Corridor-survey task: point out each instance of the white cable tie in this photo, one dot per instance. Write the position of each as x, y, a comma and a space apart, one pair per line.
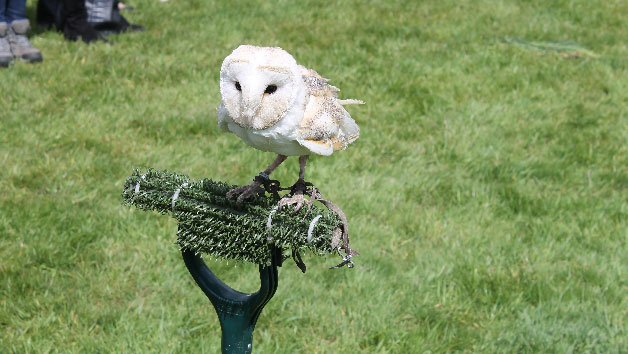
311, 228
176, 194
137, 186
270, 221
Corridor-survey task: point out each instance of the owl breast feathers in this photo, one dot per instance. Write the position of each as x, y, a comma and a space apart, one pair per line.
274, 104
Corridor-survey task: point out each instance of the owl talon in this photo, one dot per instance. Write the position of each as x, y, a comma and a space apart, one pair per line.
298, 199
244, 192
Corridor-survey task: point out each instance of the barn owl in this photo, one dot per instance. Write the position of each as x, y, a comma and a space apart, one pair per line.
275, 105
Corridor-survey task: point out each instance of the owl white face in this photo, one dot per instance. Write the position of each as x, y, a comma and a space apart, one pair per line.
258, 85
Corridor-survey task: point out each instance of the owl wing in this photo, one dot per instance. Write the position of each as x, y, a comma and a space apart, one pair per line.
326, 126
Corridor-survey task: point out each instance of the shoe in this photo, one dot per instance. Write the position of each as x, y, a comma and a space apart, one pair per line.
120, 25
20, 46
6, 57
130, 27
78, 28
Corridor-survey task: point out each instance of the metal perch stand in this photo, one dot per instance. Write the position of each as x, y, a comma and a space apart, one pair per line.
238, 312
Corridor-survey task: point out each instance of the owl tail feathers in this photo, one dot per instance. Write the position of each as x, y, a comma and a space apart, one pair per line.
350, 101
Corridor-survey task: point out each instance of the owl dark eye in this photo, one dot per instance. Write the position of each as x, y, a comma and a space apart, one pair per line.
238, 87
270, 89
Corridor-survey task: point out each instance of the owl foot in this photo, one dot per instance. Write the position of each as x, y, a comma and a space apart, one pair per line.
243, 192
261, 183
297, 196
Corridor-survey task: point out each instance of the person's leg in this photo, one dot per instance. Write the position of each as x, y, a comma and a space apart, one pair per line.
18, 26
45, 17
3, 10
15, 10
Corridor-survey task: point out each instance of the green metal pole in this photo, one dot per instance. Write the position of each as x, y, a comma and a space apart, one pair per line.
238, 312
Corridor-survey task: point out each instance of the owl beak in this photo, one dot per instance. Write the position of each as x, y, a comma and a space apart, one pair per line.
251, 102
250, 110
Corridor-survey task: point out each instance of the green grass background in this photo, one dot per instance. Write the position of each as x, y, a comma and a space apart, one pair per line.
487, 193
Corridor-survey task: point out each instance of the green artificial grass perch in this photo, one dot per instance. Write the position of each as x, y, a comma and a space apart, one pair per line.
210, 223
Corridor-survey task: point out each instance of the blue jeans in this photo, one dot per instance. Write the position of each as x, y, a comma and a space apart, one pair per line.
11, 10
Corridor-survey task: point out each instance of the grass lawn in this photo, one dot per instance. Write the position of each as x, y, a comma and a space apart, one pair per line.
487, 193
